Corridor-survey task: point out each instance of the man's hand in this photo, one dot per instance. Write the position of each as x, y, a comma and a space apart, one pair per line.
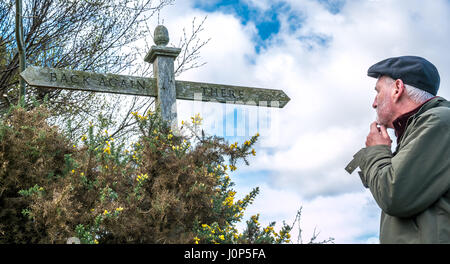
378, 136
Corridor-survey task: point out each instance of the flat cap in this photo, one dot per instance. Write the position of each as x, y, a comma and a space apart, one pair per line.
412, 70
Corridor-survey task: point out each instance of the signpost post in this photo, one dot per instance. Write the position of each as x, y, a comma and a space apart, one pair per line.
164, 86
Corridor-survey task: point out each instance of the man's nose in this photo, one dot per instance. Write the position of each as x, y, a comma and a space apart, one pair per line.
374, 104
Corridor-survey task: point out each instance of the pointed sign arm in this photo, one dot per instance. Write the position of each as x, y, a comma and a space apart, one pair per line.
131, 85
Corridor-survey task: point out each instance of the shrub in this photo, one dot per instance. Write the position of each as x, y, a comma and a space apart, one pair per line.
32, 158
165, 187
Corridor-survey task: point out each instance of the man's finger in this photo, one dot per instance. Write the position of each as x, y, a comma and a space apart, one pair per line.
384, 132
374, 127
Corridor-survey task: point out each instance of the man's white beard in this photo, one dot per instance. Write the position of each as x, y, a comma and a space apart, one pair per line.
386, 116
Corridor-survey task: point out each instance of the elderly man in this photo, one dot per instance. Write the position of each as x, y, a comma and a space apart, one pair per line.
411, 185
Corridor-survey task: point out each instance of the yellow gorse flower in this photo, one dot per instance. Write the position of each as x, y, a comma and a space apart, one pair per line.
196, 120
107, 150
175, 147
142, 118
268, 229
142, 177
233, 146
228, 201
255, 219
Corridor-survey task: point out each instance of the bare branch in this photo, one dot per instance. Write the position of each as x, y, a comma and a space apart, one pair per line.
191, 46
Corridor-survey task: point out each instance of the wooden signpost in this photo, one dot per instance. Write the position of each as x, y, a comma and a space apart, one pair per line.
164, 86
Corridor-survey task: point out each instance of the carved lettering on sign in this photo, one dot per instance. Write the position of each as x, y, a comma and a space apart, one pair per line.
123, 84
63, 78
77, 80
102, 81
223, 92
85, 80
140, 84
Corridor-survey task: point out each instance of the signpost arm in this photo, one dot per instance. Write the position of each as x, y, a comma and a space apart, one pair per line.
163, 59
163, 86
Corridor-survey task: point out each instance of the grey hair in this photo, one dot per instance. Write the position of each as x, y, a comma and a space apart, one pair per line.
415, 94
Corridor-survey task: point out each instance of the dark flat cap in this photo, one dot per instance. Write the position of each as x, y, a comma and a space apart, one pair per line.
412, 70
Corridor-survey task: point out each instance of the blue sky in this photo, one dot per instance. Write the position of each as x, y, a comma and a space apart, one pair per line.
318, 53
267, 21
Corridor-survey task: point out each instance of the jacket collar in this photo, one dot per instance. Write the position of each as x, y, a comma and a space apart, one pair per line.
401, 122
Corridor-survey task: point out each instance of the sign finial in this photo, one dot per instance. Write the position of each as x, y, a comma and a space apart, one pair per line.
161, 36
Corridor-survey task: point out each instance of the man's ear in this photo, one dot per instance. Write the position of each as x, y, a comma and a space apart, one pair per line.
398, 90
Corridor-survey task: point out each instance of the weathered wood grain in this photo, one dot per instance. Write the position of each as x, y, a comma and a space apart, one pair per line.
123, 84
210, 92
89, 81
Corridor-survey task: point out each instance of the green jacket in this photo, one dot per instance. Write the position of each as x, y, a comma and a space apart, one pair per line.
412, 186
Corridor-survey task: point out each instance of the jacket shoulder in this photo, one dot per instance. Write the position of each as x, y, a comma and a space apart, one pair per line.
432, 121
439, 113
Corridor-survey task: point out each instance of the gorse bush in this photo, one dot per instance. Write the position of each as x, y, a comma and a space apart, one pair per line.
166, 187
32, 157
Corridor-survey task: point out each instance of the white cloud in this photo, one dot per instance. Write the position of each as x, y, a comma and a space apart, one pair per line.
311, 149
348, 218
